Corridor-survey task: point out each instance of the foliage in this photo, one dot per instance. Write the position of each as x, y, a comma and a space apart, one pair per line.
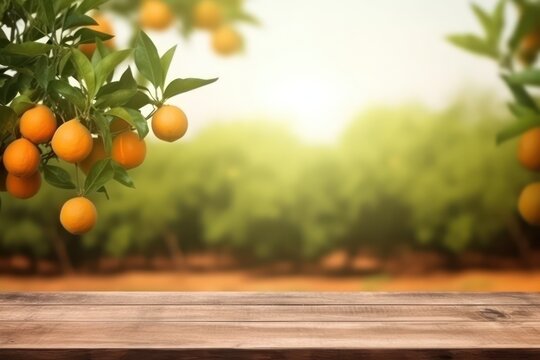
515, 55
403, 177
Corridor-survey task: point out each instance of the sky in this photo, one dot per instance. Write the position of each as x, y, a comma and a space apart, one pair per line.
316, 64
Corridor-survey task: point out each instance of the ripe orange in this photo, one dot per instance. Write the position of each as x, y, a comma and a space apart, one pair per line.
207, 14
529, 47
226, 40
98, 153
23, 187
38, 124
128, 150
169, 123
119, 125
78, 215
529, 149
72, 142
529, 204
21, 158
104, 26
155, 14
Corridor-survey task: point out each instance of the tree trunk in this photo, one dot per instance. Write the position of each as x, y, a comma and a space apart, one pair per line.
521, 241
61, 252
171, 241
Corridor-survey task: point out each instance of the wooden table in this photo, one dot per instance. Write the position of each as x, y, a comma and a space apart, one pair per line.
228, 325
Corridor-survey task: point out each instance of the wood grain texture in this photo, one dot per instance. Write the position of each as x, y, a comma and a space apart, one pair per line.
269, 298
269, 326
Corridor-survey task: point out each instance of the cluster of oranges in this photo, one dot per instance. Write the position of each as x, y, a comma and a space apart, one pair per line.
207, 15
529, 157
73, 143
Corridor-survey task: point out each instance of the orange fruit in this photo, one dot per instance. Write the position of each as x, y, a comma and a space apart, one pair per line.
72, 142
119, 125
529, 204
98, 153
531, 41
226, 40
155, 14
103, 26
38, 124
128, 150
169, 123
21, 158
529, 47
23, 187
529, 149
78, 215
207, 14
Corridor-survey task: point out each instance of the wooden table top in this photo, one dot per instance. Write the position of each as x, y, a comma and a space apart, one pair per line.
296, 325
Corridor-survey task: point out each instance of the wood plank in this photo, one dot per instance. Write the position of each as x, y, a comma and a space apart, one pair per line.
265, 354
257, 298
268, 335
275, 313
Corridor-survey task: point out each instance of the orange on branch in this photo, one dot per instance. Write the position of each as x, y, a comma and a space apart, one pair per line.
72, 142
23, 187
529, 149
169, 123
38, 124
21, 158
103, 26
207, 14
529, 204
78, 215
226, 40
128, 150
98, 153
155, 14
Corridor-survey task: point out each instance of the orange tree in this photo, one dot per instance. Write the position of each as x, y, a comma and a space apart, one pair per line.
62, 101
517, 58
217, 17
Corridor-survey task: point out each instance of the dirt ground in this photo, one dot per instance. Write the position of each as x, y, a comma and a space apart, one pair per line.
242, 280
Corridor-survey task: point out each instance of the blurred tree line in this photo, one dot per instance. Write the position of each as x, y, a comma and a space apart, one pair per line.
400, 178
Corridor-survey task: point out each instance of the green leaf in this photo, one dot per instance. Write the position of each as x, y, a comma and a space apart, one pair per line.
71, 93
58, 177
122, 176
138, 101
101, 173
76, 19
474, 44
107, 65
147, 60
166, 60
117, 93
8, 121
21, 103
518, 127
132, 117
526, 77
527, 22
89, 36
105, 130
88, 5
84, 70
498, 22
520, 94
27, 49
179, 86
483, 17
